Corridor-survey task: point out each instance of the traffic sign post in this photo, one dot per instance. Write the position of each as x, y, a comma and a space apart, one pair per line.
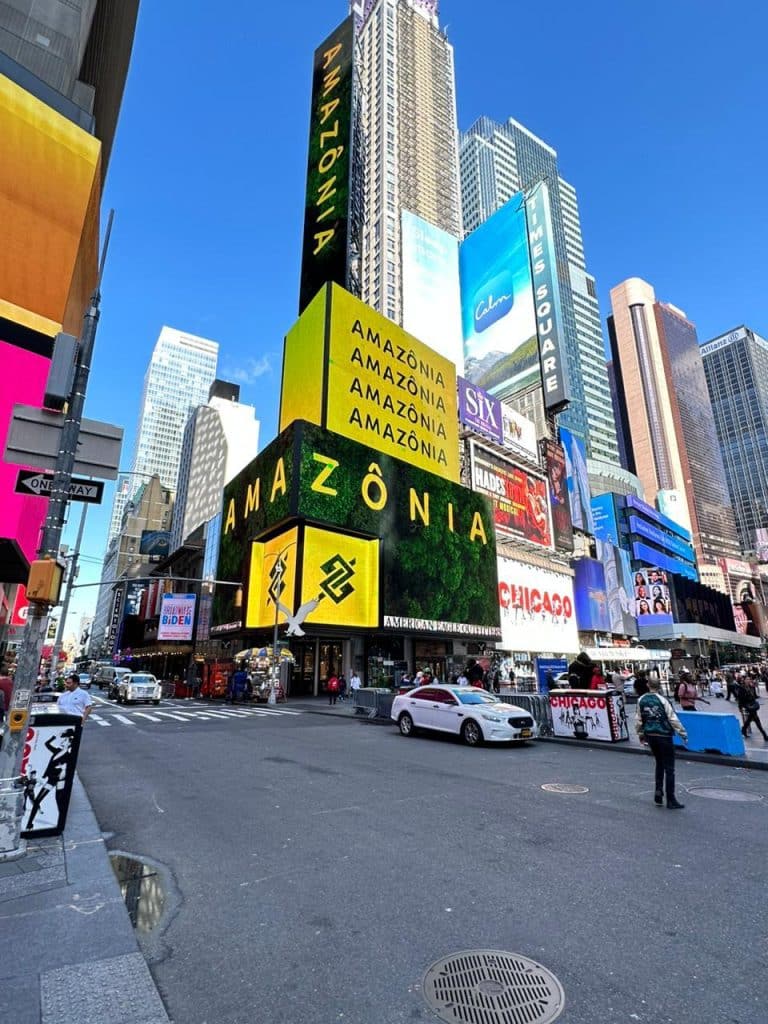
30, 482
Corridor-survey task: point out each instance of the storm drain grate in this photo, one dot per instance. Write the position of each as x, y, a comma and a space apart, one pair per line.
563, 787
726, 794
487, 986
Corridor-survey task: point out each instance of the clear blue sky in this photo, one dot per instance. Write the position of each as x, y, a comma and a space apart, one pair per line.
657, 111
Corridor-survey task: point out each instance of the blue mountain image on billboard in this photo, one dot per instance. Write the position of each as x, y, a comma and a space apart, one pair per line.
497, 310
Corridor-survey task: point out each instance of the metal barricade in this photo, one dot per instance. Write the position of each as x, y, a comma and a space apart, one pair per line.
373, 703
537, 705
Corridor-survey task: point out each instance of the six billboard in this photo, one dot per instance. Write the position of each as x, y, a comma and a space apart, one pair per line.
326, 212
497, 309
519, 498
483, 413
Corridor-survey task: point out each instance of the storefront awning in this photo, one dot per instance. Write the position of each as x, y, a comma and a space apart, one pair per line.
695, 631
627, 654
14, 567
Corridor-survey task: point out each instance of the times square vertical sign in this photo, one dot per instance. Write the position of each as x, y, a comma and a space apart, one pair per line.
327, 206
546, 293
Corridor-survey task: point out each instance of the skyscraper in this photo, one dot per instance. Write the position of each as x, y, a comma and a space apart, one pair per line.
178, 379
736, 368
220, 439
671, 442
408, 159
496, 161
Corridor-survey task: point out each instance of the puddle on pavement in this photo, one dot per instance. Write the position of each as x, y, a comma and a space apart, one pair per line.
142, 889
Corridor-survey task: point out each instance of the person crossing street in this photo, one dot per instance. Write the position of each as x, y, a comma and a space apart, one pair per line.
656, 722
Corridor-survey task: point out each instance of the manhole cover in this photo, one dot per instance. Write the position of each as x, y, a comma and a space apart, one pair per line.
486, 986
727, 794
563, 787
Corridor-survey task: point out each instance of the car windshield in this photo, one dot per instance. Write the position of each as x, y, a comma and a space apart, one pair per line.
475, 697
143, 679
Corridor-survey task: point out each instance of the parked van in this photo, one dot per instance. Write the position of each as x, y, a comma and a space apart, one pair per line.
107, 675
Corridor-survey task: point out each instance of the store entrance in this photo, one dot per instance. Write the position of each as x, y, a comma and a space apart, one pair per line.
329, 660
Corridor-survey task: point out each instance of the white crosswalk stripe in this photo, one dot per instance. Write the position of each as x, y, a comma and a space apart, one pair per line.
107, 715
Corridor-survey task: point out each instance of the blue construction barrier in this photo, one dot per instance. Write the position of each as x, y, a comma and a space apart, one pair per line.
710, 733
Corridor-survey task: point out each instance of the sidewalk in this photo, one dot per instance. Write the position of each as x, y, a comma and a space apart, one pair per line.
68, 953
756, 751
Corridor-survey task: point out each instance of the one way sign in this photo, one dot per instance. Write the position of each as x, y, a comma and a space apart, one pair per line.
30, 482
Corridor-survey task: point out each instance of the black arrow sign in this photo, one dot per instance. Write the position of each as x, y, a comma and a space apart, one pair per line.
31, 482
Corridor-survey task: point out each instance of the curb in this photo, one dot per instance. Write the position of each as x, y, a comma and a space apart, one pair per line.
727, 760
681, 753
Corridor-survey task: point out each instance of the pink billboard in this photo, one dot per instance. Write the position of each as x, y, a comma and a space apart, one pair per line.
23, 376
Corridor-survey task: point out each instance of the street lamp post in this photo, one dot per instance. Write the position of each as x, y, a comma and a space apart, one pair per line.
272, 699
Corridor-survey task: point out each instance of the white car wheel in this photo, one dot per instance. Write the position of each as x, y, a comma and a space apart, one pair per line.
405, 723
471, 733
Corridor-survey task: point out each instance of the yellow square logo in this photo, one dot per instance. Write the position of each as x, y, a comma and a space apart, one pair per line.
341, 578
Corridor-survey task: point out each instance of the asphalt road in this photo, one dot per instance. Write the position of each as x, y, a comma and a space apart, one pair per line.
316, 867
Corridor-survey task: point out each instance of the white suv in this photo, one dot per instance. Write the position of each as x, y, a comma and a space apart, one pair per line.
138, 686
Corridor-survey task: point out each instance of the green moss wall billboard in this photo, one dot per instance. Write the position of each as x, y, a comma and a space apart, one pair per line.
438, 550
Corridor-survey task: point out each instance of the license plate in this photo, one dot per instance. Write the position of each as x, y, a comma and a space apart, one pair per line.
525, 733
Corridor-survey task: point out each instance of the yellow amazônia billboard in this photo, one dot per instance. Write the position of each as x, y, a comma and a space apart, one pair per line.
352, 371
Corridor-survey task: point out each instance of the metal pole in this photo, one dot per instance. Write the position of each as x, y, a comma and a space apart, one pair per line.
68, 594
272, 699
12, 750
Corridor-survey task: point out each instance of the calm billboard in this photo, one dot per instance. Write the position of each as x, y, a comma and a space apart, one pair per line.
497, 311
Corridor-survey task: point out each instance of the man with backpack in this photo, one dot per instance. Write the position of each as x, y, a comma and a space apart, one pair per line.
655, 724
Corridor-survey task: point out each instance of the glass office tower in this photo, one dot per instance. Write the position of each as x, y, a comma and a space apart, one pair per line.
736, 368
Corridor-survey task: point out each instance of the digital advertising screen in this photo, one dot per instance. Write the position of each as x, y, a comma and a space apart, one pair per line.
557, 477
575, 450
520, 499
653, 606
501, 351
423, 522
431, 287
591, 595
351, 370
326, 213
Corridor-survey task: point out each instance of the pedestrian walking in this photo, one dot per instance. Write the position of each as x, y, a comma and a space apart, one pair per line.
686, 692
75, 700
354, 681
333, 688
342, 687
655, 723
749, 706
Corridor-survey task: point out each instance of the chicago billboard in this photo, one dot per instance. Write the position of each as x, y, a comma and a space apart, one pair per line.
326, 210
497, 310
431, 288
519, 498
424, 523
353, 371
537, 609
